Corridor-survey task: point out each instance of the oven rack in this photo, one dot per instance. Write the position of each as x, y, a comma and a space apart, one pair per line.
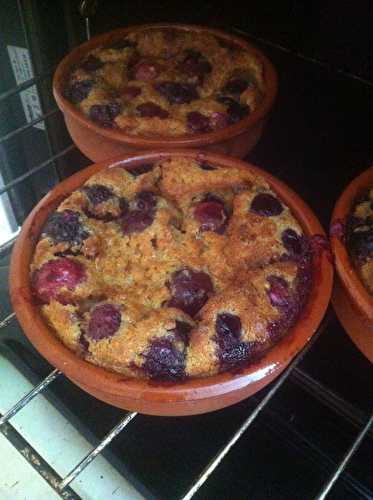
62, 485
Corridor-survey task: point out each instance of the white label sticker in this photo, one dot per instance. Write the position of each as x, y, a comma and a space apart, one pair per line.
22, 69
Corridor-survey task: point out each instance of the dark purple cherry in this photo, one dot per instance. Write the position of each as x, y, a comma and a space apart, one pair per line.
79, 90
235, 86
194, 65
140, 169
291, 304
233, 353
65, 227
92, 63
278, 292
104, 322
98, 193
163, 360
361, 242
104, 114
228, 326
266, 204
211, 215
136, 221
130, 92
197, 122
177, 93
150, 110
292, 241
55, 275
141, 214
235, 110
145, 201
190, 290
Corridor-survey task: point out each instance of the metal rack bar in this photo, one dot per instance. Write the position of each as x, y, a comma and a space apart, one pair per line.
36, 169
6, 247
25, 85
29, 396
205, 474
36, 461
7, 320
28, 125
327, 397
310, 59
355, 445
93, 454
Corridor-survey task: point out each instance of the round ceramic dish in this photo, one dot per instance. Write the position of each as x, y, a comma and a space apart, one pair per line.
100, 144
191, 396
352, 302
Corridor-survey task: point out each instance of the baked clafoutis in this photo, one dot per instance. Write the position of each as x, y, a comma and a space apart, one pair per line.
172, 270
167, 83
359, 238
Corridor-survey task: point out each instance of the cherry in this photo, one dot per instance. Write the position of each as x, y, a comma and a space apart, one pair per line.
211, 215
104, 322
266, 204
190, 290
55, 275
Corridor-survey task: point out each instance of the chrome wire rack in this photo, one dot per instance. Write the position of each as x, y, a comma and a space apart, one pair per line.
62, 484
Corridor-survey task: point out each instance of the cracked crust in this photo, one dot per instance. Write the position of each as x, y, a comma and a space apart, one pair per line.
255, 277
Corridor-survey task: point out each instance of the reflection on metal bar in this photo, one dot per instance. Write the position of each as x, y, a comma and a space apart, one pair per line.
6, 247
28, 397
87, 28
7, 320
93, 454
28, 125
25, 85
36, 169
88, 8
329, 484
36, 461
219, 457
329, 398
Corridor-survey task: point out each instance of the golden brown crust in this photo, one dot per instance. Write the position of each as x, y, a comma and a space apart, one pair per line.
133, 272
115, 69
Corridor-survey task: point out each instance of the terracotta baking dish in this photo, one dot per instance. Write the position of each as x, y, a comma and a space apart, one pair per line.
192, 396
352, 302
101, 144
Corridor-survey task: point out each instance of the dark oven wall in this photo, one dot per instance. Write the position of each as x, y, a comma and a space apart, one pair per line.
338, 33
